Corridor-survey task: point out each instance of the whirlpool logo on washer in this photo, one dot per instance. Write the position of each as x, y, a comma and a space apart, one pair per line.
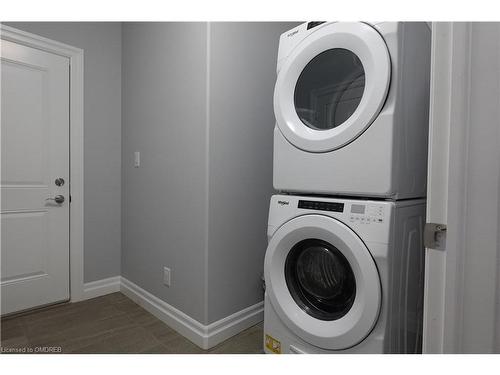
283, 203
292, 33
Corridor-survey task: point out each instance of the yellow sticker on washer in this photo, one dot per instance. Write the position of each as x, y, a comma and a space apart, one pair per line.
273, 345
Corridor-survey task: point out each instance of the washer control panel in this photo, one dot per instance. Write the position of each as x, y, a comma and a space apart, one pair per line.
366, 213
321, 206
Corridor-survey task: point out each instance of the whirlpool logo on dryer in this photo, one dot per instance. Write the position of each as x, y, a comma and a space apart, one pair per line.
283, 203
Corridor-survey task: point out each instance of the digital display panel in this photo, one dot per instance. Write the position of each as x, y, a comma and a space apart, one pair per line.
321, 206
358, 209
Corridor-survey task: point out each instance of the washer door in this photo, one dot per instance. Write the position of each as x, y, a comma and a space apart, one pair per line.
322, 281
332, 86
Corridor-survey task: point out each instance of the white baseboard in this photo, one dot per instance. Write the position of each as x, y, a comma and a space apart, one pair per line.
174, 318
101, 287
205, 336
233, 324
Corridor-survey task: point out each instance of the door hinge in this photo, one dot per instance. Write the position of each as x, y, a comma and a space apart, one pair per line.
435, 236
70, 198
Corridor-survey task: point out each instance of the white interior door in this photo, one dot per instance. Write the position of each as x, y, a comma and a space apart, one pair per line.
35, 152
462, 293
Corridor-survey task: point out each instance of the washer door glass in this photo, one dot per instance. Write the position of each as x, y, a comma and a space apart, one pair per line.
329, 89
320, 279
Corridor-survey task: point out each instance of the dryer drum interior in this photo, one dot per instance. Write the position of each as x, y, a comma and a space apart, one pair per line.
329, 89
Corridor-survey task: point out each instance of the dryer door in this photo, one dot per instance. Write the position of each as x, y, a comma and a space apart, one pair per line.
332, 86
322, 281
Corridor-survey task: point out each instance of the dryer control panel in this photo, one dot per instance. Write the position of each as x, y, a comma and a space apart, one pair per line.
366, 213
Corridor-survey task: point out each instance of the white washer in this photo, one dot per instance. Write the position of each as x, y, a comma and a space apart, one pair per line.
344, 276
352, 104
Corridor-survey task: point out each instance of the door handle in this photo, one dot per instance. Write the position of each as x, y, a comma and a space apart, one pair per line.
59, 199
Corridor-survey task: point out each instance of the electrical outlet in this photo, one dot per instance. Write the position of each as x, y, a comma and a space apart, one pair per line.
166, 276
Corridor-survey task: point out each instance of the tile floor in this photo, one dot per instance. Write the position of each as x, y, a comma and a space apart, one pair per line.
110, 324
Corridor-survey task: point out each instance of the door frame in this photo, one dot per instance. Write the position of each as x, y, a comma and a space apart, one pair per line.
76, 124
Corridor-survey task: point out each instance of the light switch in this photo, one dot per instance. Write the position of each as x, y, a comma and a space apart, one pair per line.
166, 276
137, 159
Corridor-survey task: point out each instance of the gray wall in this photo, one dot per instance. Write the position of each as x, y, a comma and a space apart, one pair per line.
102, 143
164, 201
242, 75
216, 256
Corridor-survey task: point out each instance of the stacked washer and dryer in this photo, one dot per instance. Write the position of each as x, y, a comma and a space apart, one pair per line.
345, 260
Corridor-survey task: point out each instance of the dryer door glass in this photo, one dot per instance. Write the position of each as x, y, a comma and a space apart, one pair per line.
320, 279
329, 89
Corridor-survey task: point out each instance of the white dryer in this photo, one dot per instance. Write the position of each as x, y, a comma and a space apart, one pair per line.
344, 276
351, 104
